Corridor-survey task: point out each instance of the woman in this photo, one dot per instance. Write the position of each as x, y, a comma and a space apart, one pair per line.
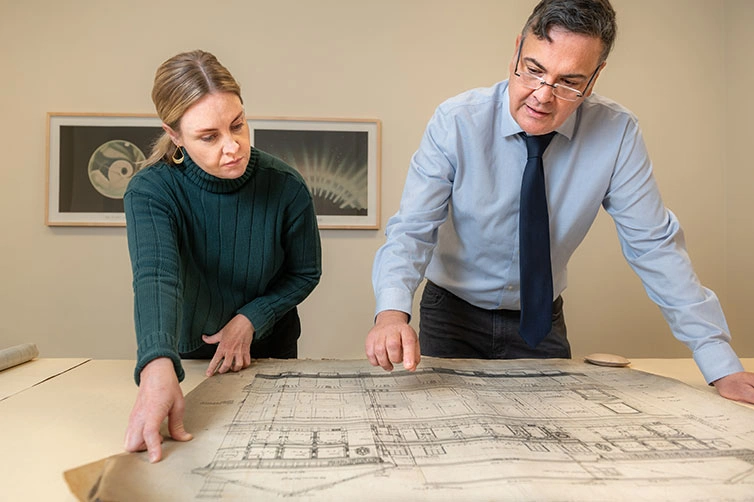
223, 242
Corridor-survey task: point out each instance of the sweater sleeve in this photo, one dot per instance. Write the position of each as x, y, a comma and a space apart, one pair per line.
302, 265
155, 262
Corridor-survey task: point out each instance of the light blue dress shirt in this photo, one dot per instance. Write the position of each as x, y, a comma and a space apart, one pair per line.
458, 220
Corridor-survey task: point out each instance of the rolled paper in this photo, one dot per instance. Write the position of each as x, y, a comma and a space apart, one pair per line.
18, 354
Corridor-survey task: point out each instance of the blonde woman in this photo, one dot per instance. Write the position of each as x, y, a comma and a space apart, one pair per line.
223, 242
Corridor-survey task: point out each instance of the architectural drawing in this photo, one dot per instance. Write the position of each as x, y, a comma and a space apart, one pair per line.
453, 429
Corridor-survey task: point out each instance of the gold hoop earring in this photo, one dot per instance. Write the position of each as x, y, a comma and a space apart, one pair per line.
178, 160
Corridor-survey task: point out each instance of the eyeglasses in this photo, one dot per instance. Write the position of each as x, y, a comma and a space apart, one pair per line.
531, 81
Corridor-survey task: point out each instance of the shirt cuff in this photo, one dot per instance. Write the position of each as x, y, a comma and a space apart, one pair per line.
716, 361
394, 299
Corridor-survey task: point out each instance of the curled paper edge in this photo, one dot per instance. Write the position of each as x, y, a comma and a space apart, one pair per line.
18, 354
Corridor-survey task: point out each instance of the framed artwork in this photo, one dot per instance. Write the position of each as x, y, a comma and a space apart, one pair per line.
90, 159
338, 158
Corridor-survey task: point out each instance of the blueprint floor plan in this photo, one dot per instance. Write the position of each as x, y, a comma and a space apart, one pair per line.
451, 430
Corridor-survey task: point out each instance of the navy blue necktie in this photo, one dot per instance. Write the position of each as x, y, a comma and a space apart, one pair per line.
534, 245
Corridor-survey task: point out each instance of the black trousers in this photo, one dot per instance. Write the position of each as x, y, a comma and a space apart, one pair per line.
451, 327
282, 343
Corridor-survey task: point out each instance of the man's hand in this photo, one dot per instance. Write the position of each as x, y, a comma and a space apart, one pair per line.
737, 386
234, 344
392, 340
159, 396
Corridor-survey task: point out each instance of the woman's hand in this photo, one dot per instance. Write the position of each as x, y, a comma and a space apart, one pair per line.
234, 343
159, 396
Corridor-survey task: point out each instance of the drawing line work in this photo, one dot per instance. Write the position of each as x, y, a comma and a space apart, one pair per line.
557, 430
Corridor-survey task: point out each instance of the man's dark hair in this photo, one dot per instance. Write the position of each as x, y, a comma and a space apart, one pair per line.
589, 17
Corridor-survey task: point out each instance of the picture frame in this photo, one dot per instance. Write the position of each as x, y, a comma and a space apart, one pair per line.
338, 157
90, 158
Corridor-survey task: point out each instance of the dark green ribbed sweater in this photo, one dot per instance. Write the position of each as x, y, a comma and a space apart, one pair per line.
204, 249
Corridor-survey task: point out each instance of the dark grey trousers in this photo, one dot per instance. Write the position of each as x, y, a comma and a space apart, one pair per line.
451, 327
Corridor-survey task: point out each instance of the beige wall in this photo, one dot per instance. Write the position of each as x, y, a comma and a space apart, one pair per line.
69, 289
739, 170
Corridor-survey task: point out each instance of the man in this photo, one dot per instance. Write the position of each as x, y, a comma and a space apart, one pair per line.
458, 224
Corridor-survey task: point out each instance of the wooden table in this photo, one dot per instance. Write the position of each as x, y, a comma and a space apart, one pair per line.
79, 415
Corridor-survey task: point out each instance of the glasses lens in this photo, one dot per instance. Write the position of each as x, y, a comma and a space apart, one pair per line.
531, 81
566, 93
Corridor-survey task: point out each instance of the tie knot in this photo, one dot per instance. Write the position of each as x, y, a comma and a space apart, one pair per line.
536, 145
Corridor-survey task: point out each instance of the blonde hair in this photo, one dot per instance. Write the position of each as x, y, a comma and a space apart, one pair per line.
180, 82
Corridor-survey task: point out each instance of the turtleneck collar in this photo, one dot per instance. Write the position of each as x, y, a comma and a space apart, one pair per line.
213, 184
